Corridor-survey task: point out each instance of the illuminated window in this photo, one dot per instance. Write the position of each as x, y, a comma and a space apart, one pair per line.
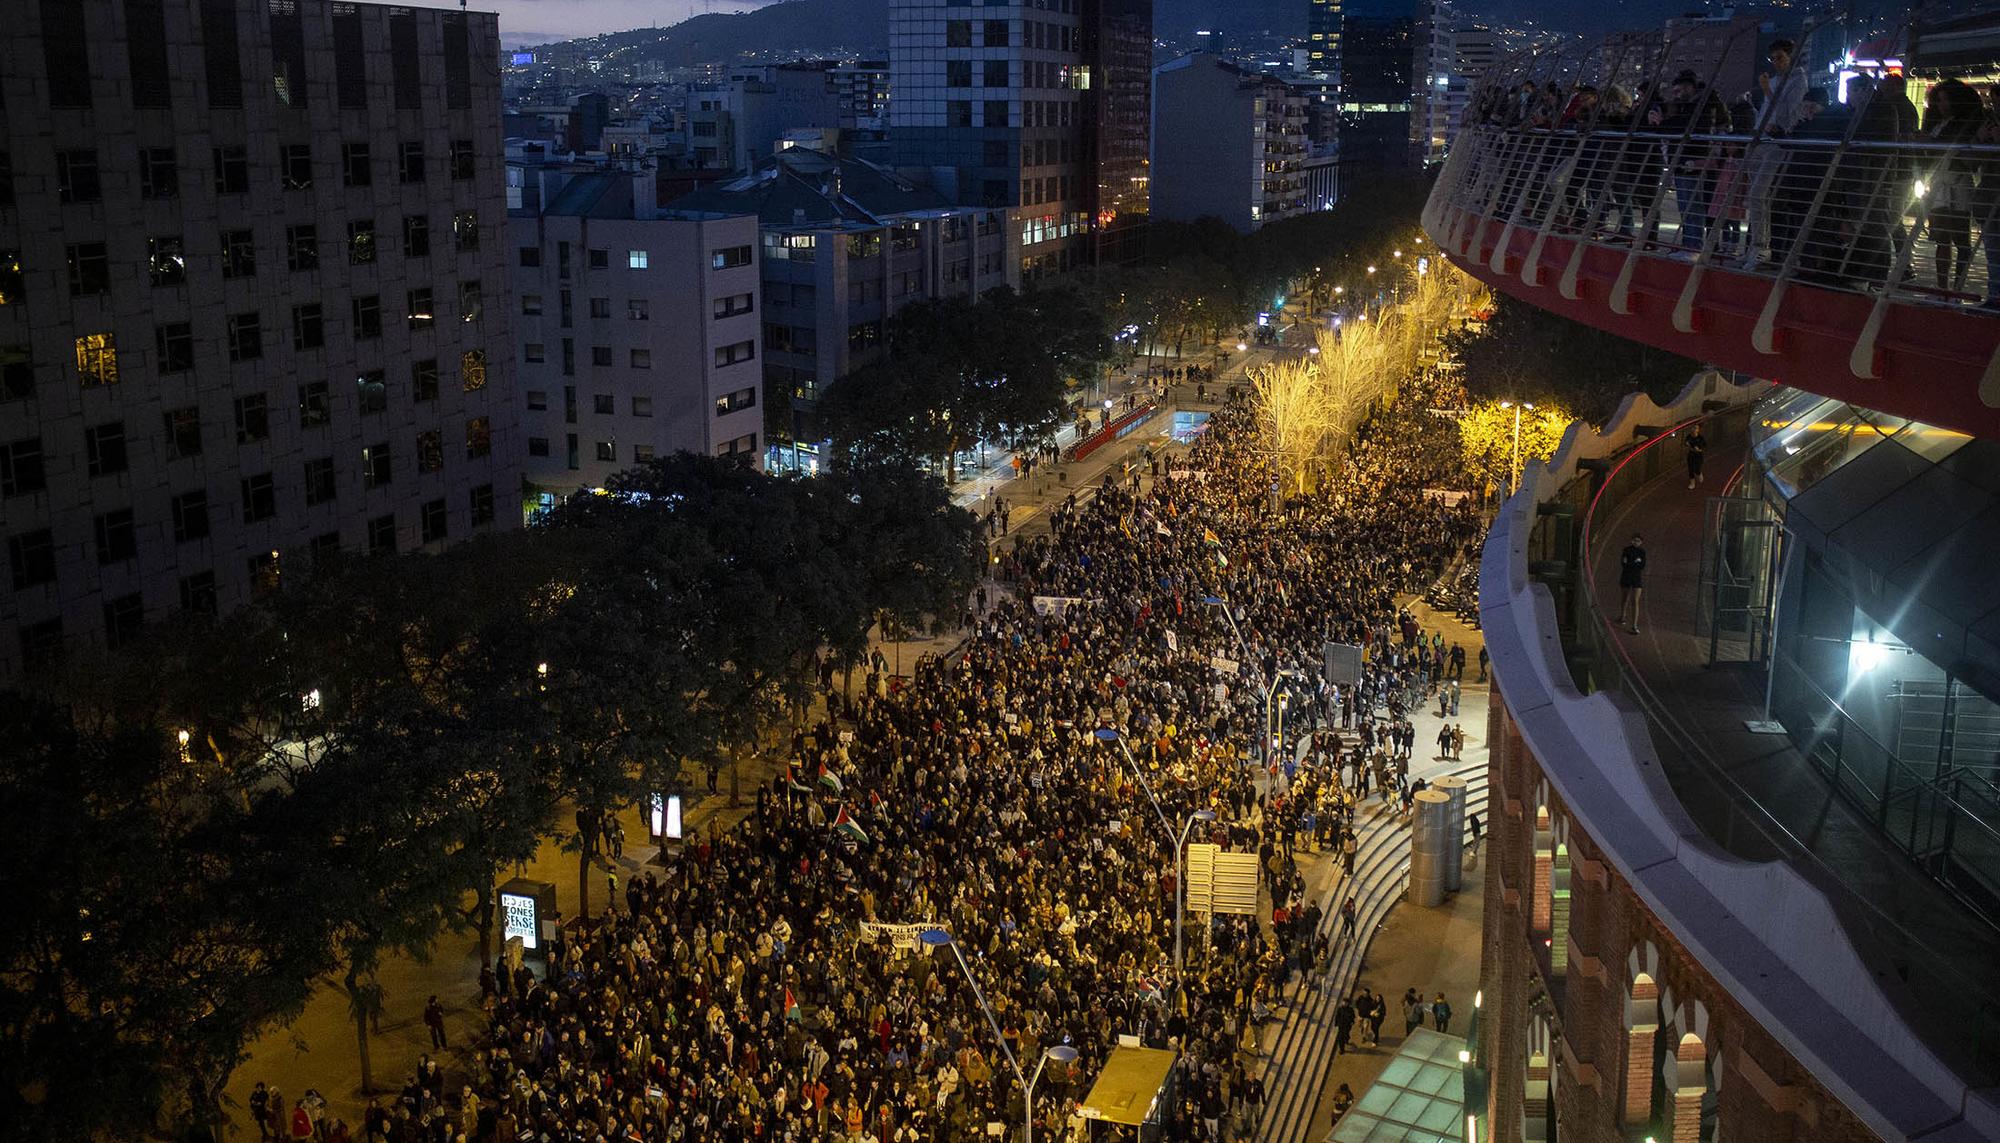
472, 369
97, 359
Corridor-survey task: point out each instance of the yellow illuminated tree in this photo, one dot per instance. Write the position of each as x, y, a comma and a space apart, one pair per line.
1486, 435
1292, 417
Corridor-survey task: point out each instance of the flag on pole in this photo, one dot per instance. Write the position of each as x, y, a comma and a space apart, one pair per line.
848, 827
829, 779
792, 780
1209, 537
792, 1006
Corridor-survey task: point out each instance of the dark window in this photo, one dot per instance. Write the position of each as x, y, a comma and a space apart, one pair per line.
183, 432
191, 516
958, 113
246, 337
260, 498
41, 644
117, 540
33, 557
465, 229
11, 289
376, 469
600, 307
17, 373
367, 317
482, 505
457, 60
434, 521
410, 162
174, 342
166, 260
996, 34
416, 236
159, 173
302, 247
604, 404
958, 73
371, 391
198, 593
430, 451
6, 181
308, 327
463, 164
105, 447
239, 254
21, 470
421, 309
607, 450
994, 113
361, 241
221, 52
424, 380
76, 176
320, 482
315, 405
288, 53
531, 255
354, 166
478, 438
600, 355
89, 270
382, 536
253, 418
958, 33
66, 52
295, 165
405, 66
146, 51
598, 259
996, 75
538, 446
730, 256
325, 549
124, 621
232, 169
471, 301
350, 63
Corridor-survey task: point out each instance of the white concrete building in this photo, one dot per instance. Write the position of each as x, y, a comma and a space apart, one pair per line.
635, 329
1227, 143
253, 308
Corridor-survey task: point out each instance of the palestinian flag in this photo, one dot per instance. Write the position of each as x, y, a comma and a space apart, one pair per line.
846, 826
829, 779
792, 780
792, 1006
1209, 537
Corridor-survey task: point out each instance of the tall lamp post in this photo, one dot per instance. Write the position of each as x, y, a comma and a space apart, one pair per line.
1514, 469
1107, 734
1060, 1053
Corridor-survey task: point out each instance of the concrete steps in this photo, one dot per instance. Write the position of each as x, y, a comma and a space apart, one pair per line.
1296, 1065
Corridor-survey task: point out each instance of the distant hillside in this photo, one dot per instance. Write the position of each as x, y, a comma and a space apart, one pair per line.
826, 27
794, 27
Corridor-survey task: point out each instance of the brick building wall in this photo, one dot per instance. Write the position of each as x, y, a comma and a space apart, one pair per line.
1620, 1013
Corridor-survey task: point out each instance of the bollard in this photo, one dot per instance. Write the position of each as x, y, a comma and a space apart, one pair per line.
1429, 848
1453, 788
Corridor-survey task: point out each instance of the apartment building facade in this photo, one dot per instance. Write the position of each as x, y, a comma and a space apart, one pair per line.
253, 307
1227, 143
636, 328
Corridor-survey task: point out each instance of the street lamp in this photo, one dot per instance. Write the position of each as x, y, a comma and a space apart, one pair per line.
1061, 1053
1514, 469
1108, 734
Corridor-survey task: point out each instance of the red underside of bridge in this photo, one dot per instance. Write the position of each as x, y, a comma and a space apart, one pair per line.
1930, 358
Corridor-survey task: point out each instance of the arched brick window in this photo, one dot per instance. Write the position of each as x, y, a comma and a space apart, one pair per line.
1642, 1027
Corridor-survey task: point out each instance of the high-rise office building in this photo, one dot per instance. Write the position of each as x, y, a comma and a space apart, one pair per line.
255, 301
1380, 61
1118, 57
1322, 38
997, 105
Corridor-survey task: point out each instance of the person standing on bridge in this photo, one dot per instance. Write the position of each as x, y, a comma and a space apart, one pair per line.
1632, 579
1697, 452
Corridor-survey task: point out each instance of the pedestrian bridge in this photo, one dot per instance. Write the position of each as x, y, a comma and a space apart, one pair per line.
1849, 266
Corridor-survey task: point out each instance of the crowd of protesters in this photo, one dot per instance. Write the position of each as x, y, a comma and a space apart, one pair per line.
1744, 169
763, 983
